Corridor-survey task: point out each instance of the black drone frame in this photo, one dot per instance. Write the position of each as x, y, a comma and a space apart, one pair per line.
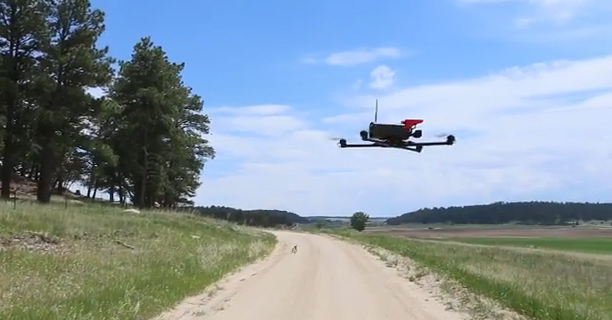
406, 145
394, 139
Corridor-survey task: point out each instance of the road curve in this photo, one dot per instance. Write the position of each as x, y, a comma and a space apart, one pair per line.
327, 279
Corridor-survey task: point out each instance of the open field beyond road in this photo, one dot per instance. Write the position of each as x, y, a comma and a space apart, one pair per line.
326, 279
94, 262
493, 231
587, 239
597, 245
535, 283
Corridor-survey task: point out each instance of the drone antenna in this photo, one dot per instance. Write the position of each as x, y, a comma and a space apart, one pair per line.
376, 112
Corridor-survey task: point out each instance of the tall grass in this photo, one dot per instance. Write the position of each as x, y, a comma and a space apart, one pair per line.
95, 262
540, 285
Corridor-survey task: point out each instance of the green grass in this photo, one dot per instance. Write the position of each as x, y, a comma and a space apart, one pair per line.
95, 262
586, 245
540, 285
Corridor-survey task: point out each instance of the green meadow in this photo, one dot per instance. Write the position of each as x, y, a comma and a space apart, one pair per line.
598, 245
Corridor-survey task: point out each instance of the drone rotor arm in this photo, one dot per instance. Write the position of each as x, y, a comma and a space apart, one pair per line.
359, 145
450, 140
427, 144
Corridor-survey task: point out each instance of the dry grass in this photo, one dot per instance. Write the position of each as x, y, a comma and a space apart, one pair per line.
537, 284
450, 292
95, 262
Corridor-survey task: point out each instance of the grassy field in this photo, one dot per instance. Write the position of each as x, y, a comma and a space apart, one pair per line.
96, 262
587, 245
538, 284
440, 231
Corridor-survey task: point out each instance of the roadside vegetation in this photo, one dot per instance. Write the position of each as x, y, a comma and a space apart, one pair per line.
538, 284
97, 262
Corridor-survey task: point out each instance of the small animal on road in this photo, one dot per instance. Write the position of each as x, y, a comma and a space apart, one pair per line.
294, 250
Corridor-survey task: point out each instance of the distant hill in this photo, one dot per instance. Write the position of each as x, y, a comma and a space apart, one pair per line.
535, 212
260, 217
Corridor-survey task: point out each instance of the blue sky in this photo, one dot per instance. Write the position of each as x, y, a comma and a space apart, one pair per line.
522, 84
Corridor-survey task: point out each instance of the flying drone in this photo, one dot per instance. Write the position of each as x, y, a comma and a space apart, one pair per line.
394, 136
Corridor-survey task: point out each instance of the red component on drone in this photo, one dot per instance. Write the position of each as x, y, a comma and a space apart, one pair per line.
410, 123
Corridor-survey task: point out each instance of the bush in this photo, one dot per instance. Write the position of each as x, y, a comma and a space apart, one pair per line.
359, 220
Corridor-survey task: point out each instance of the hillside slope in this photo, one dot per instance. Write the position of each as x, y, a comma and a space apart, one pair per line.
97, 262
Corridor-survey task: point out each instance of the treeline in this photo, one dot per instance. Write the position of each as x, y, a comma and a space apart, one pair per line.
142, 142
535, 212
260, 218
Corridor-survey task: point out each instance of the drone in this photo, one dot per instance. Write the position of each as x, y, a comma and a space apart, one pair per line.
394, 136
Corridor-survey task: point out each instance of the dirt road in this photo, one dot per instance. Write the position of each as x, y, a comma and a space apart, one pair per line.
326, 279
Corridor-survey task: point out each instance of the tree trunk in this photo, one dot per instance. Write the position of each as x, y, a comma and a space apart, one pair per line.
47, 173
150, 194
131, 195
59, 186
10, 91
92, 180
111, 193
7, 172
143, 190
141, 203
6, 175
120, 191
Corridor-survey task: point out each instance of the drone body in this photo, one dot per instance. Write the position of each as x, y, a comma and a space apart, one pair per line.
394, 136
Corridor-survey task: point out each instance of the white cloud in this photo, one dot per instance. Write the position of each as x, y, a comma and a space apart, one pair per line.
523, 133
552, 20
266, 119
358, 56
382, 77
264, 110
258, 124
555, 11
561, 10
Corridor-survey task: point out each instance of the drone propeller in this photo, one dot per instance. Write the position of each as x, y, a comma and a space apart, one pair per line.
447, 135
